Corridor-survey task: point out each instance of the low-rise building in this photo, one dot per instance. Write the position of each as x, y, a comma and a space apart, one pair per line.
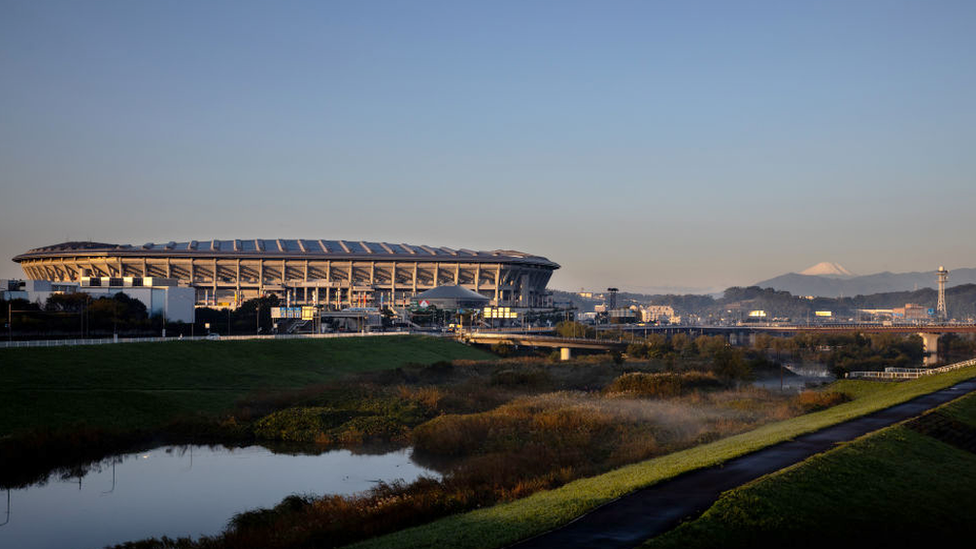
656, 313
161, 296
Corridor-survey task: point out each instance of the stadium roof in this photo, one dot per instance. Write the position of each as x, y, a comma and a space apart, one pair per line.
287, 249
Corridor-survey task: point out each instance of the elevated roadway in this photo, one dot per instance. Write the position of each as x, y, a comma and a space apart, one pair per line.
564, 344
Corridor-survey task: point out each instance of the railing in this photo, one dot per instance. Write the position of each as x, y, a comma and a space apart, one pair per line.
910, 373
214, 337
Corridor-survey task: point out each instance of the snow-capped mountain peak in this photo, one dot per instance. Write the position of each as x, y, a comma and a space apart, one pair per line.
826, 268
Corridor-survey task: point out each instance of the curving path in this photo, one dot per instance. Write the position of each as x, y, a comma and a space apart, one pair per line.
630, 520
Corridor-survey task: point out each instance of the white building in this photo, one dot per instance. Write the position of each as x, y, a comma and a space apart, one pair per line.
657, 313
161, 296
35, 291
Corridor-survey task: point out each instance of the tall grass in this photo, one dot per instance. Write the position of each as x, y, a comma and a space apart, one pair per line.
504, 524
873, 490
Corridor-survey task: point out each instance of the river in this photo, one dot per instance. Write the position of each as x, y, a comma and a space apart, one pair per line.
181, 491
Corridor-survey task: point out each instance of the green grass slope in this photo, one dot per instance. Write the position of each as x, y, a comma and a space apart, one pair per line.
503, 524
894, 488
142, 385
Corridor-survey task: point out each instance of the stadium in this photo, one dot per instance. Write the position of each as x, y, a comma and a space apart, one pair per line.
332, 273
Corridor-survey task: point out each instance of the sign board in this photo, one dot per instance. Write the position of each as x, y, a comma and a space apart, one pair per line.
757, 314
424, 303
499, 312
308, 313
287, 312
823, 313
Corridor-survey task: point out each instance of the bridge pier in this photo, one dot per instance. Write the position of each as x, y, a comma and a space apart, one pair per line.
930, 342
565, 353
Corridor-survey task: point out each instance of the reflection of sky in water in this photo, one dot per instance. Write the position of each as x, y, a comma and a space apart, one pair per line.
166, 491
797, 377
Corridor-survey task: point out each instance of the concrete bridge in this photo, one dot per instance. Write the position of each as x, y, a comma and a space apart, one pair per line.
739, 334
929, 333
564, 344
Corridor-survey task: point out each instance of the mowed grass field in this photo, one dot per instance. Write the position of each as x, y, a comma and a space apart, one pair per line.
506, 523
895, 488
144, 385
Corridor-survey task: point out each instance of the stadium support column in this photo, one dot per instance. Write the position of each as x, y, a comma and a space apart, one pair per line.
498, 281
393, 284
215, 281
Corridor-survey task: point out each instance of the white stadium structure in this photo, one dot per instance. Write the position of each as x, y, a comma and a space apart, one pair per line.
333, 273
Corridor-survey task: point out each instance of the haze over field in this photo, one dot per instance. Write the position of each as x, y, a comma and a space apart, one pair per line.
652, 146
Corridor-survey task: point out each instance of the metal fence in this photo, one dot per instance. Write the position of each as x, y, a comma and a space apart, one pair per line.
214, 337
910, 373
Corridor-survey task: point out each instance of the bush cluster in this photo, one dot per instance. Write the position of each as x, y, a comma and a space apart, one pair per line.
663, 385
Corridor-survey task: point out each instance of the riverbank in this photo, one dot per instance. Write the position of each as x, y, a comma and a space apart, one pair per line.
911, 483
66, 405
507, 523
505, 429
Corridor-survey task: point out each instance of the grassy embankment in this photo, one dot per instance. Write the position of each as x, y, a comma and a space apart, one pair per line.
503, 524
894, 488
65, 406
146, 385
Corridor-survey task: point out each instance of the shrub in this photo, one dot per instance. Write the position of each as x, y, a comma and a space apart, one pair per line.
664, 385
503, 349
812, 401
637, 350
301, 424
520, 377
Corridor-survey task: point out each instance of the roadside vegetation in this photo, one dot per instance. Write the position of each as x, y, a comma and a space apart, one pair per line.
503, 524
523, 443
907, 484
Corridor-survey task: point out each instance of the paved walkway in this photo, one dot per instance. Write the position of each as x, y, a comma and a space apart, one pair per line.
636, 517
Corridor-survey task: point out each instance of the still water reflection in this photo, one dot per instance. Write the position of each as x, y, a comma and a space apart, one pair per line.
181, 491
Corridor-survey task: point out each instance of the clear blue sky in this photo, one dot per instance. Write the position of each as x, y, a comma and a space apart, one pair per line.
639, 144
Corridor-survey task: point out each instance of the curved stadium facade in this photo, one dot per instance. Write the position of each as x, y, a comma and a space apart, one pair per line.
335, 273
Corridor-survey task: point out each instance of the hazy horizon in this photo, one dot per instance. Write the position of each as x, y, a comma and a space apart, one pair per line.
696, 145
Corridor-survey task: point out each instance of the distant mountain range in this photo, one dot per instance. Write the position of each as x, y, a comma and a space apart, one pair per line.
830, 281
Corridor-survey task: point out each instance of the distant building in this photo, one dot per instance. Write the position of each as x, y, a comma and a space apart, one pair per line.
911, 312
657, 313
624, 315
35, 291
451, 297
161, 296
332, 273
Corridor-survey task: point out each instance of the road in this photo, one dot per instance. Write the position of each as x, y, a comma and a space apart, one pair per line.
636, 517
